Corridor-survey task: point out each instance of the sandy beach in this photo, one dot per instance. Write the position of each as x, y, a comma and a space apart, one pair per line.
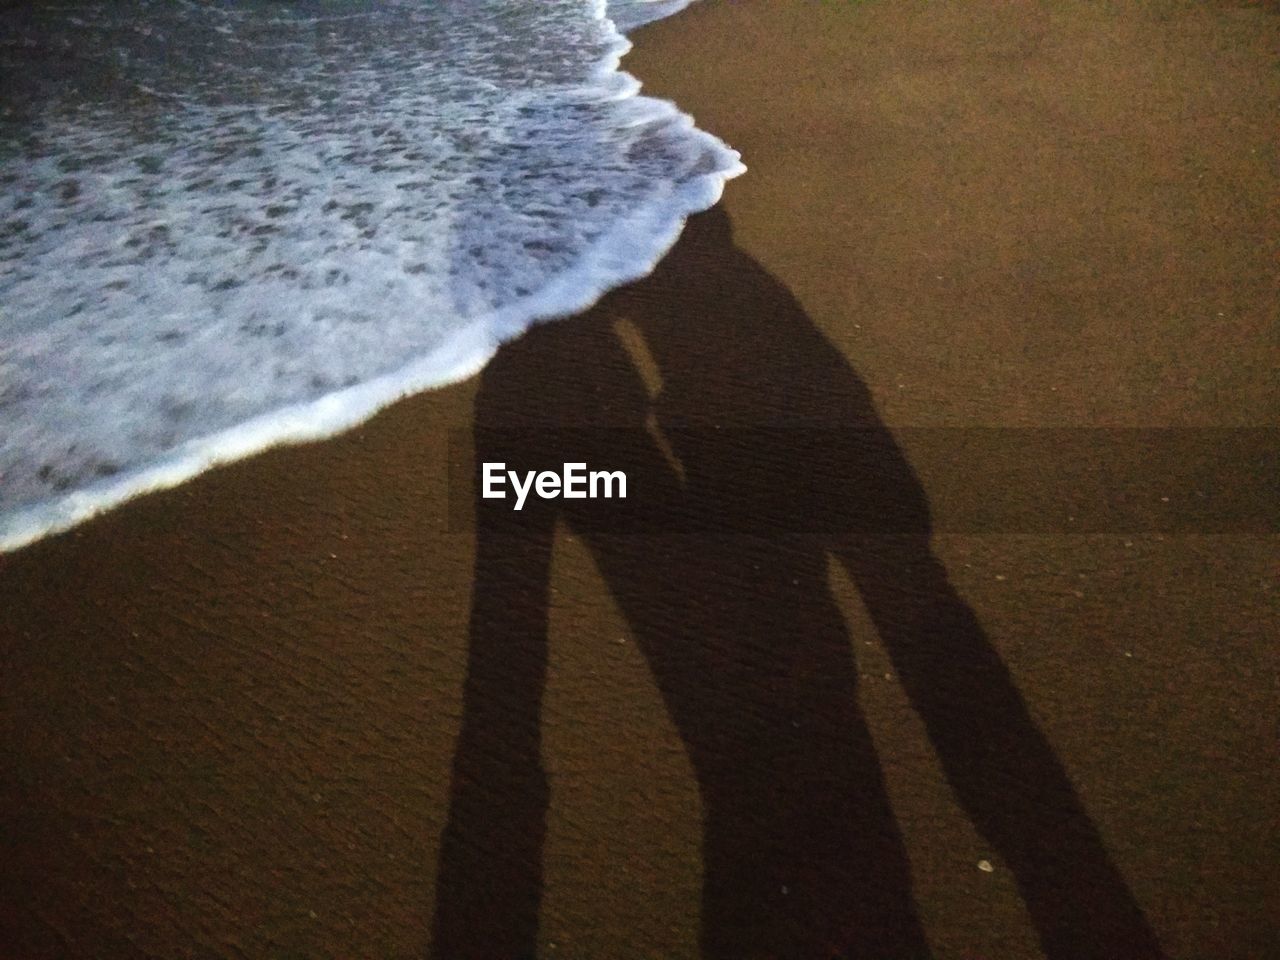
316, 704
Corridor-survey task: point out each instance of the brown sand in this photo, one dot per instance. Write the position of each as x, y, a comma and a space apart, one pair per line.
231, 710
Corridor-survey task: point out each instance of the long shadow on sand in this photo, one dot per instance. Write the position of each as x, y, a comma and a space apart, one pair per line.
802, 855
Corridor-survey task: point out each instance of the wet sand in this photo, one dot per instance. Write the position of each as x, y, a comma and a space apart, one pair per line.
262, 714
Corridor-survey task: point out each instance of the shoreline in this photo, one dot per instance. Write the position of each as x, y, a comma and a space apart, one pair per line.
627, 250
234, 709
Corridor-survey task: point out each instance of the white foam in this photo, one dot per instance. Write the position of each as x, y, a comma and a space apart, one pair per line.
629, 14
357, 205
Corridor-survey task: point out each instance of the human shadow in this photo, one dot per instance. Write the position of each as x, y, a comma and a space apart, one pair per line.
753, 454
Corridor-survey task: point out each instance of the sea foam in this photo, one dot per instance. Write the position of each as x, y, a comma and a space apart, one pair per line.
225, 227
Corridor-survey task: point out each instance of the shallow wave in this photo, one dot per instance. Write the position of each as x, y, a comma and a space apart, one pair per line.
226, 228
629, 14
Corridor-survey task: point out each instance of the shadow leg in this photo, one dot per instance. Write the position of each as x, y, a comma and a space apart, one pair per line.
489, 885
1001, 766
802, 856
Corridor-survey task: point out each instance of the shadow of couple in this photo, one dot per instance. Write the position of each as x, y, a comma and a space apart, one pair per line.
753, 454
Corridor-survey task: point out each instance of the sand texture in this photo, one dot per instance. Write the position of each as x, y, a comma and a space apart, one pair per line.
807, 693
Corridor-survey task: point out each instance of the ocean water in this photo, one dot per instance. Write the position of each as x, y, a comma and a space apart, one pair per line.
225, 226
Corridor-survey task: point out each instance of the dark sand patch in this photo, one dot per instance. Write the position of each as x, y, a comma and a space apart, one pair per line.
230, 710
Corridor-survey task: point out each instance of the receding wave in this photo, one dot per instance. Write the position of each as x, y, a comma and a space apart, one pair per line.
224, 227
